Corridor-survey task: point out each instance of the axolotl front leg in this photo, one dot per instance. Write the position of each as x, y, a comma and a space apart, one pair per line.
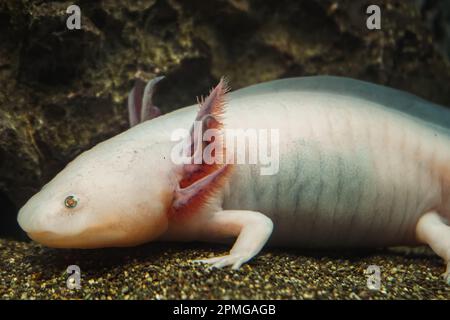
251, 228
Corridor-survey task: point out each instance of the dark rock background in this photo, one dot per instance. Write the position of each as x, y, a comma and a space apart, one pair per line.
63, 91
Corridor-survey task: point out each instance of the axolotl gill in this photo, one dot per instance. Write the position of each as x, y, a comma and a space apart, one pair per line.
360, 165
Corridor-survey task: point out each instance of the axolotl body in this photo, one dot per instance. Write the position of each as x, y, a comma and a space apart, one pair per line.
359, 165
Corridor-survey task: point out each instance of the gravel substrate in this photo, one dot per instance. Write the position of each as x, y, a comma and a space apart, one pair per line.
164, 271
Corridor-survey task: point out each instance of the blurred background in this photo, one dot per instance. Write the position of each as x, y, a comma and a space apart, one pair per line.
62, 91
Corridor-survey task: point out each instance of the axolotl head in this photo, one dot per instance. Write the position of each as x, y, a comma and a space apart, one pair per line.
111, 195
124, 191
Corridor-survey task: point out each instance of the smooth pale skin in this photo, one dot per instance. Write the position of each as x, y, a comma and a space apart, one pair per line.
361, 165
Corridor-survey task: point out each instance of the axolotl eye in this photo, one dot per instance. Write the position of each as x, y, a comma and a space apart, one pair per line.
71, 201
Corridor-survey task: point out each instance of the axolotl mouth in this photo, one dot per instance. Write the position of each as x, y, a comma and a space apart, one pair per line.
49, 238
102, 237
112, 234
90, 237
81, 240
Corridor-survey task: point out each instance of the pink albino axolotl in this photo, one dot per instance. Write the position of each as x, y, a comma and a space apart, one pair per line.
360, 165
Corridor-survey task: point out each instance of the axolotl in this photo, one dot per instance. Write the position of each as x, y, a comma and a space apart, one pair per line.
360, 165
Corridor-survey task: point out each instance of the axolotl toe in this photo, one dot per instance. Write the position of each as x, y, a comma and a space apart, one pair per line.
307, 162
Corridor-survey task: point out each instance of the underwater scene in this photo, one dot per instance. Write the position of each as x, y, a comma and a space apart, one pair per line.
225, 149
